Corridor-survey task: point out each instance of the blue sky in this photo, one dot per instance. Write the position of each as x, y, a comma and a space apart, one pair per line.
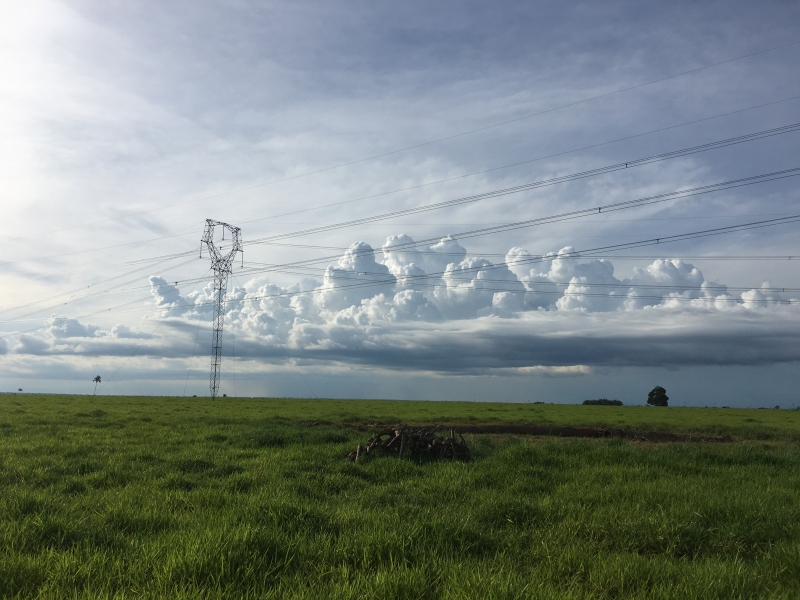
125, 125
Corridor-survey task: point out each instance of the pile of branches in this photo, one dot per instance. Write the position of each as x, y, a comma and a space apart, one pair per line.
417, 444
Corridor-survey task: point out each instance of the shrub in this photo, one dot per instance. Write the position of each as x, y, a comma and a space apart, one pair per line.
604, 402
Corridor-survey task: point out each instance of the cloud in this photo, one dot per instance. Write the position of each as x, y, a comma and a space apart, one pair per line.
357, 277
477, 316
164, 293
542, 371
476, 287
29, 344
64, 327
681, 279
572, 283
653, 338
405, 305
125, 332
403, 257
553, 315
569, 343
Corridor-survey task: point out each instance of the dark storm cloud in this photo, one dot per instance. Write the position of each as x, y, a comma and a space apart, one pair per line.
659, 338
609, 340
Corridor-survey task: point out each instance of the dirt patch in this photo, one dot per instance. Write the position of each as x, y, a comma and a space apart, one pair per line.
543, 430
566, 431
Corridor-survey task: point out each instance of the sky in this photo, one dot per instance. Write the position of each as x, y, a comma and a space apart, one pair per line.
507, 201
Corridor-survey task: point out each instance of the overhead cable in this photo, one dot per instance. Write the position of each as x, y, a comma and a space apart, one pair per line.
537, 184
624, 205
528, 260
438, 140
510, 165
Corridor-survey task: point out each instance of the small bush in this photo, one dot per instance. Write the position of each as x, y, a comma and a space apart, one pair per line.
603, 402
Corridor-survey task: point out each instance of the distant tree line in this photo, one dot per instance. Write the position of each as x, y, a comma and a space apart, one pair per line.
604, 402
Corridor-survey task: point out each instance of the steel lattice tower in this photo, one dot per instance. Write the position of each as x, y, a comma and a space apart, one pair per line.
221, 263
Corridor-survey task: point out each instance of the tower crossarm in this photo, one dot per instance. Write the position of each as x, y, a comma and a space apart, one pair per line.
218, 259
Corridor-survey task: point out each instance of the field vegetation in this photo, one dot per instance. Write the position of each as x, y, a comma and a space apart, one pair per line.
131, 497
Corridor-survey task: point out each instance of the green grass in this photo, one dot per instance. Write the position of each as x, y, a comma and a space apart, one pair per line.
188, 498
741, 423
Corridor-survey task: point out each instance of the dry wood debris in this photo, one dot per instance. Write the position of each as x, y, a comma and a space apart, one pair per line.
417, 444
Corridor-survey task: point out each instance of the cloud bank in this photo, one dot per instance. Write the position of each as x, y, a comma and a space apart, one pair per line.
433, 308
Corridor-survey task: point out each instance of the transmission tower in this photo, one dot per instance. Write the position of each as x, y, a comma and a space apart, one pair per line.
221, 263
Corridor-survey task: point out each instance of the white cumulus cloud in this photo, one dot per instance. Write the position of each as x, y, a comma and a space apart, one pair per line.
557, 314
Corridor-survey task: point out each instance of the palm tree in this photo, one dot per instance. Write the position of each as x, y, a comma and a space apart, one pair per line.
96, 381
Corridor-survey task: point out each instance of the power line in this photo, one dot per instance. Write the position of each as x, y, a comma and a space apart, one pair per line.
414, 285
570, 215
84, 269
567, 216
449, 277
84, 296
528, 260
539, 184
84, 288
516, 164
329, 205
616, 256
602, 249
60, 254
564, 216
136, 350
627, 204
434, 141
310, 271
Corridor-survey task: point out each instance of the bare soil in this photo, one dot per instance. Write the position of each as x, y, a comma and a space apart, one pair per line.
560, 431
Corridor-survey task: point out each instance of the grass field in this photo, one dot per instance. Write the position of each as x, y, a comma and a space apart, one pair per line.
114, 497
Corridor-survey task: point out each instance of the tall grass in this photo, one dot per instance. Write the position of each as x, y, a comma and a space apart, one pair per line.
160, 498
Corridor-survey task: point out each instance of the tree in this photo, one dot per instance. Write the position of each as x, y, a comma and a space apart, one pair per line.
96, 381
658, 397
